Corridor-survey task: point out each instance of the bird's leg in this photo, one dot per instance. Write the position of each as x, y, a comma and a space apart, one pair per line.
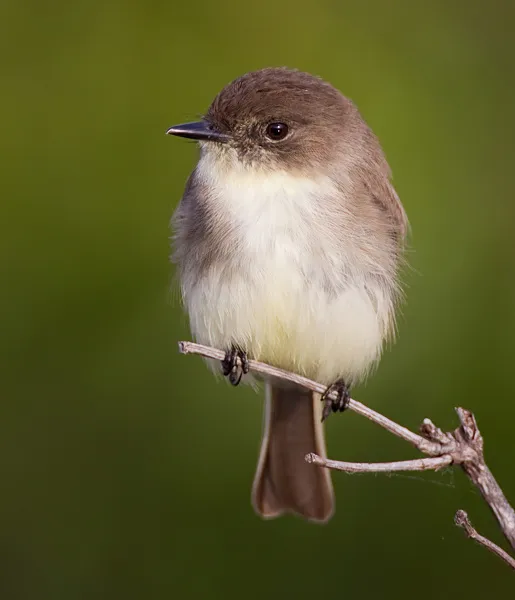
235, 364
340, 403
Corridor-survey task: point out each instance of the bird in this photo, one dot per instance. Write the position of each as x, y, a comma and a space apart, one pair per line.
289, 243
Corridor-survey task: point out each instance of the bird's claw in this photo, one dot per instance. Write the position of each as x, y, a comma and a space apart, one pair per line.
235, 365
340, 403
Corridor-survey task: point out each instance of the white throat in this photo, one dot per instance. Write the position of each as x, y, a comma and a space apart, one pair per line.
265, 203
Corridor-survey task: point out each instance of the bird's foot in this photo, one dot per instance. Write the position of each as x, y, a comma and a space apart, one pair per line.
235, 364
340, 403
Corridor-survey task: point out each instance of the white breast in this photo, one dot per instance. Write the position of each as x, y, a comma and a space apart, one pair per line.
275, 304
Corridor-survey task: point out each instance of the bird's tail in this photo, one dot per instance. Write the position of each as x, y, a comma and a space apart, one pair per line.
284, 481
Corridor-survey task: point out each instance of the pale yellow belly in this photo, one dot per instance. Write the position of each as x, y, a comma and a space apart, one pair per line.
295, 327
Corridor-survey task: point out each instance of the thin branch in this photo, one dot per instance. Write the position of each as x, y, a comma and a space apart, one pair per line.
462, 520
419, 464
463, 447
424, 445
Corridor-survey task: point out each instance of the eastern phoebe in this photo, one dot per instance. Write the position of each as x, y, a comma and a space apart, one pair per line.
288, 240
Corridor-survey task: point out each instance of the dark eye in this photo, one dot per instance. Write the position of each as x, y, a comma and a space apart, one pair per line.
276, 131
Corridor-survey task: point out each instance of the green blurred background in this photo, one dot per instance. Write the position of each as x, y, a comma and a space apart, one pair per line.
125, 467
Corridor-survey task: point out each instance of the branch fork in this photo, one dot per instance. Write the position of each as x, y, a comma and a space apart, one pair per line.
463, 446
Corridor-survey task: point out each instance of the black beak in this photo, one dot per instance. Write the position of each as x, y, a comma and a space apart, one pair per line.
200, 130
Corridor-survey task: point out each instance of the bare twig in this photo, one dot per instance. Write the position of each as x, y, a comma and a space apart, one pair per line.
464, 447
462, 520
419, 464
422, 443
